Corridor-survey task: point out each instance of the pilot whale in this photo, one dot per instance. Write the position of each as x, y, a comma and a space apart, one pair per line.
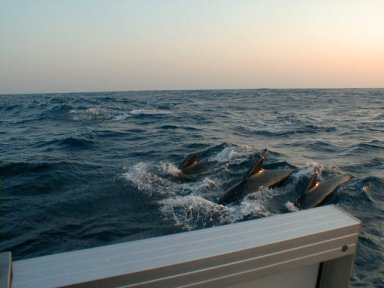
190, 165
316, 192
256, 178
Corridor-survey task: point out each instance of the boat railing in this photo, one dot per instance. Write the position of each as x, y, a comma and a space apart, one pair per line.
309, 248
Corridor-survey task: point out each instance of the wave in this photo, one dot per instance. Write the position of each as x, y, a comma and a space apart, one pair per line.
83, 141
14, 169
192, 211
373, 187
362, 167
285, 125
154, 180
281, 130
76, 142
11, 108
374, 146
56, 111
19, 168
323, 146
93, 113
178, 127
149, 111
64, 155
100, 113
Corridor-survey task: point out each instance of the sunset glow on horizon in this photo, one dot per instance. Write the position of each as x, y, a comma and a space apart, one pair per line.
71, 46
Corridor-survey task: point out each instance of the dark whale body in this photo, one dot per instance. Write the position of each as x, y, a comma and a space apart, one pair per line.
256, 178
316, 192
190, 165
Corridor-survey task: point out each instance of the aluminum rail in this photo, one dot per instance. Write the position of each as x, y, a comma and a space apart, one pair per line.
310, 248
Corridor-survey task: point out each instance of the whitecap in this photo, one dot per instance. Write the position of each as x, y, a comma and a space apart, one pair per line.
146, 181
255, 204
92, 113
233, 155
121, 117
147, 178
149, 112
192, 211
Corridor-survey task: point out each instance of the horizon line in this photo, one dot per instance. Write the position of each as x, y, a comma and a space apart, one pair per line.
188, 89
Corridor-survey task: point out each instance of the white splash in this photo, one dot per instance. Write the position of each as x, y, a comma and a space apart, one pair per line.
191, 212
307, 171
145, 181
184, 203
223, 156
232, 154
170, 168
291, 207
255, 204
148, 180
207, 182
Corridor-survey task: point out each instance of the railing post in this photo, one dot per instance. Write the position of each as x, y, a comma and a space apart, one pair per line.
336, 273
5, 269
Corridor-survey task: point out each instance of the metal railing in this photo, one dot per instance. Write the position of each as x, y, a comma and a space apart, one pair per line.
310, 248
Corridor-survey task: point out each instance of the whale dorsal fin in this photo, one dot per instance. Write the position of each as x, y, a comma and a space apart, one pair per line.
189, 161
313, 181
256, 168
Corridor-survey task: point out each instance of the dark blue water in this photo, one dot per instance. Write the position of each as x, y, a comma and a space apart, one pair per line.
89, 169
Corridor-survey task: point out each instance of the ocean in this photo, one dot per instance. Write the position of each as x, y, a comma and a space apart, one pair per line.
81, 170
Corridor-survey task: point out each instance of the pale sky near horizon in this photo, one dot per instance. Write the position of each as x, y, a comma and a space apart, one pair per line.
119, 45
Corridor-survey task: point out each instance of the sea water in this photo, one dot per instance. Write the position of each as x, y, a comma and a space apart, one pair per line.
81, 170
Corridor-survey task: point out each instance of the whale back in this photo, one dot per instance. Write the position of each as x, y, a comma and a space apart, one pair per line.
188, 162
255, 179
320, 192
313, 181
255, 168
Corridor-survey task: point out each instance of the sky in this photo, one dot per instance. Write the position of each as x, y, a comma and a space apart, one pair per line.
121, 45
